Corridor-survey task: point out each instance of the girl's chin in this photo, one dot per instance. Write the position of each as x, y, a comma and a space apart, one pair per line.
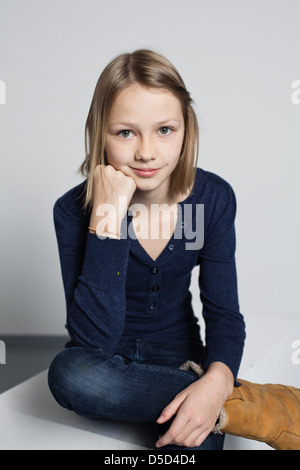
147, 186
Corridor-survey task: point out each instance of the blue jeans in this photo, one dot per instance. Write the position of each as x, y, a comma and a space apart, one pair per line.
134, 384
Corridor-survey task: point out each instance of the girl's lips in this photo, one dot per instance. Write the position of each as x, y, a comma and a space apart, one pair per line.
145, 172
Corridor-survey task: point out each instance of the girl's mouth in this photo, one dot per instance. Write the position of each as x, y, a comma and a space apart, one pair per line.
145, 172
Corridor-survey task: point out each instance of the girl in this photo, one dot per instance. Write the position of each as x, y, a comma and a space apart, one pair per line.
126, 246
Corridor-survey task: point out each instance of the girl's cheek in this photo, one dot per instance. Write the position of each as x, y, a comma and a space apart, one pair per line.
119, 154
112, 154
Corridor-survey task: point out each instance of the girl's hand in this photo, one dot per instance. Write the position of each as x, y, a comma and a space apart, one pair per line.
198, 407
112, 193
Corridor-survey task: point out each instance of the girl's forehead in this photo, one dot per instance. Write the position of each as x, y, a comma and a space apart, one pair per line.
142, 90
137, 99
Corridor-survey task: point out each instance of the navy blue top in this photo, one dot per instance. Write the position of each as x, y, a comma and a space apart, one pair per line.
115, 290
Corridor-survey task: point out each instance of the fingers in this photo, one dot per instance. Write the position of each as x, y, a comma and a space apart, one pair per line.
195, 439
189, 428
109, 184
188, 434
174, 432
171, 408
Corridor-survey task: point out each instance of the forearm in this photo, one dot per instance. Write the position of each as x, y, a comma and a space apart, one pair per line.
106, 219
96, 314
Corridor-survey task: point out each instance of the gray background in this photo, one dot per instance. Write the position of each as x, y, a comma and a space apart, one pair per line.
238, 59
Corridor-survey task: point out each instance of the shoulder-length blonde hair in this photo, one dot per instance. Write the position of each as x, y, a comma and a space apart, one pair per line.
150, 69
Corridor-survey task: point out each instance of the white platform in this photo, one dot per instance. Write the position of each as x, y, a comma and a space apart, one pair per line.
32, 420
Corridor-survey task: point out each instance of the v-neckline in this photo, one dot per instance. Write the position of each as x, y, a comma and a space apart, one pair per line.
171, 243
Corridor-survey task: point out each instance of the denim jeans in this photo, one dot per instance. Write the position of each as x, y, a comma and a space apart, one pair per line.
134, 384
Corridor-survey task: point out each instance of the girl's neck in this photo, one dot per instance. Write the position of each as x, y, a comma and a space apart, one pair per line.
158, 196
147, 198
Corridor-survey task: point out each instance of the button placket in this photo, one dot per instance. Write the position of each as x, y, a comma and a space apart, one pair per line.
154, 287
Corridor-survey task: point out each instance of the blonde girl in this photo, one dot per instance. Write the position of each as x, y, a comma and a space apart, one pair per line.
125, 239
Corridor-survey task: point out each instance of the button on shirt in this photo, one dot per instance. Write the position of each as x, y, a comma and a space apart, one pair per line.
114, 290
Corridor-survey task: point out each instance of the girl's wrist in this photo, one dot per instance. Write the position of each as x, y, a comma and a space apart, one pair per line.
221, 373
105, 233
105, 223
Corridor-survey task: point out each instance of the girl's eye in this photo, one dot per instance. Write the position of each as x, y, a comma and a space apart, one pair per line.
165, 130
125, 133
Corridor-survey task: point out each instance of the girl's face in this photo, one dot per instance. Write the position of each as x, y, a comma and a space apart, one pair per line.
145, 136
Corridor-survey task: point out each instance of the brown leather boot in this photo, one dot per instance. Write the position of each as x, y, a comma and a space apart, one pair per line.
268, 413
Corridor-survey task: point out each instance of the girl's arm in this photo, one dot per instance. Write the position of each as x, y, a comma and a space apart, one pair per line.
224, 324
94, 276
198, 406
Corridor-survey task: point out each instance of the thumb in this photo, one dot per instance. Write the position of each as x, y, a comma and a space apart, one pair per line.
171, 408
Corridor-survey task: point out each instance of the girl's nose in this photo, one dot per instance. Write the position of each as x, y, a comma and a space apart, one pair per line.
145, 150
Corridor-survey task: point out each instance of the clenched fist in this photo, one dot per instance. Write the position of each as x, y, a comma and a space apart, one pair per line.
112, 193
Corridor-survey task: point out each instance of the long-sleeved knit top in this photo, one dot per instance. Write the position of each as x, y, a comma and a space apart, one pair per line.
115, 290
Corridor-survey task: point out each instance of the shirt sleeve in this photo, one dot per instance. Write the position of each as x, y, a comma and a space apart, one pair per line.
225, 327
94, 277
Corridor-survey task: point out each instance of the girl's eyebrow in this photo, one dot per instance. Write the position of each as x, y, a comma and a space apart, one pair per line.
155, 124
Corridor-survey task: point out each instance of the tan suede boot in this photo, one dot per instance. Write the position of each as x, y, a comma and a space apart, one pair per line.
268, 413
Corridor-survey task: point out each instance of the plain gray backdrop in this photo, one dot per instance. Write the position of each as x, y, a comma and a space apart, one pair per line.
239, 60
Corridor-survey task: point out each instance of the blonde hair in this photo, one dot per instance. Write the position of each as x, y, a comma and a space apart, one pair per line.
150, 69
